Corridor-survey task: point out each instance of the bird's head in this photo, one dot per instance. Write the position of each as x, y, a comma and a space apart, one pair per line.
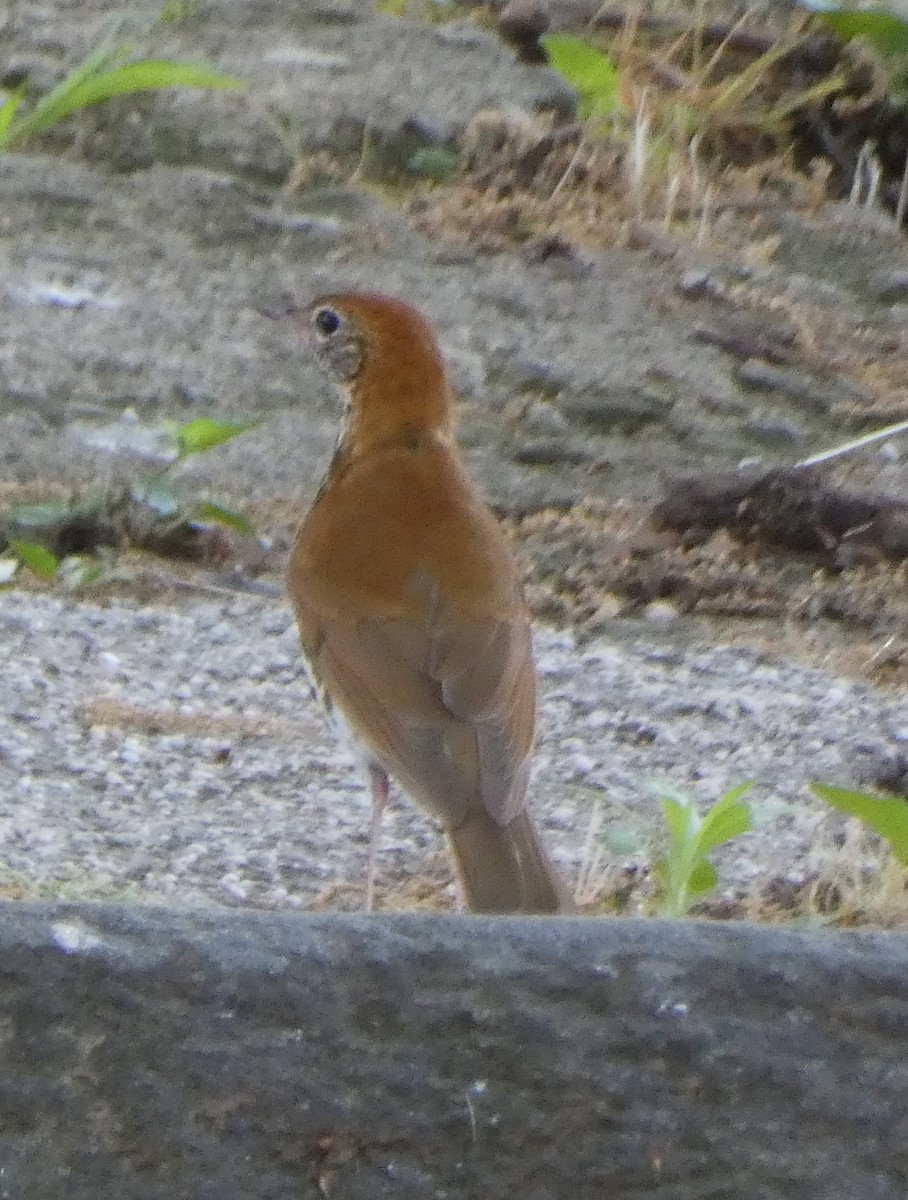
383, 356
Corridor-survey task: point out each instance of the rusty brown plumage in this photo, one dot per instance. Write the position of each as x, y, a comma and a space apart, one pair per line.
410, 609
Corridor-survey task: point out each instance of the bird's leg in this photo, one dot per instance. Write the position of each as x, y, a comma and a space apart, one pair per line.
380, 788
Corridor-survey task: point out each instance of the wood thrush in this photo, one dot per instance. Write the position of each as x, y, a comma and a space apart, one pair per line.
410, 609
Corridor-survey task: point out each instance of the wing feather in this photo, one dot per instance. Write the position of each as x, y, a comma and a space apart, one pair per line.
448, 710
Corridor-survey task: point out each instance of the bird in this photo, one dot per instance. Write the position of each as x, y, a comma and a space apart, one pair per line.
409, 604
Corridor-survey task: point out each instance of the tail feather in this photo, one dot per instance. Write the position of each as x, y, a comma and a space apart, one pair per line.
504, 869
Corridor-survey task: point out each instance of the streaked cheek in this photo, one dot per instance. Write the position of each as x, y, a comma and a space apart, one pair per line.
343, 358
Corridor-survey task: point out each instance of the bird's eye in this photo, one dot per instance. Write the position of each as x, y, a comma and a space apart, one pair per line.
326, 321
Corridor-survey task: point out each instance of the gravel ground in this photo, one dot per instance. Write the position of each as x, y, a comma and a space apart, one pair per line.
174, 753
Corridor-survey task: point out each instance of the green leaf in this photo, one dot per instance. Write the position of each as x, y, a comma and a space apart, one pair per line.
203, 434
434, 162
8, 111
702, 878
885, 815
589, 71
215, 514
681, 818
37, 558
722, 827
157, 494
883, 30
727, 819
734, 793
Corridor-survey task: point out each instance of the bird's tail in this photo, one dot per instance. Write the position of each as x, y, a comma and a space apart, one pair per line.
504, 869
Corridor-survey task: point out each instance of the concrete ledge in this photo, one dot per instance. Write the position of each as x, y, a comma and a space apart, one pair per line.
150, 1054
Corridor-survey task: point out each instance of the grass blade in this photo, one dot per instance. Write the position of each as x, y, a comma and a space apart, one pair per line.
106, 51
144, 76
151, 74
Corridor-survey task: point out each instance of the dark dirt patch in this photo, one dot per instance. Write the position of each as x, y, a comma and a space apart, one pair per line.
794, 510
597, 563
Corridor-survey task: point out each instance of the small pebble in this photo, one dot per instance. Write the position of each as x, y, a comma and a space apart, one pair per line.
139, 763
661, 612
695, 285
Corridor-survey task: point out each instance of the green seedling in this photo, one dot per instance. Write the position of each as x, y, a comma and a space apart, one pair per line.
157, 491
685, 872
885, 815
32, 527
104, 74
31, 533
591, 73
73, 571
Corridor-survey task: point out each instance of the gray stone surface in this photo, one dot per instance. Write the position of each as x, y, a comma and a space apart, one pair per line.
148, 1054
173, 753
320, 74
138, 237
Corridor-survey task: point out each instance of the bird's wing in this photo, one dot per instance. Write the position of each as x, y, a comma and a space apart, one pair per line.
448, 709
484, 667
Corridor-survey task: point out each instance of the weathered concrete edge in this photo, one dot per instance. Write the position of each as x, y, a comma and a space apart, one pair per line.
156, 1053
